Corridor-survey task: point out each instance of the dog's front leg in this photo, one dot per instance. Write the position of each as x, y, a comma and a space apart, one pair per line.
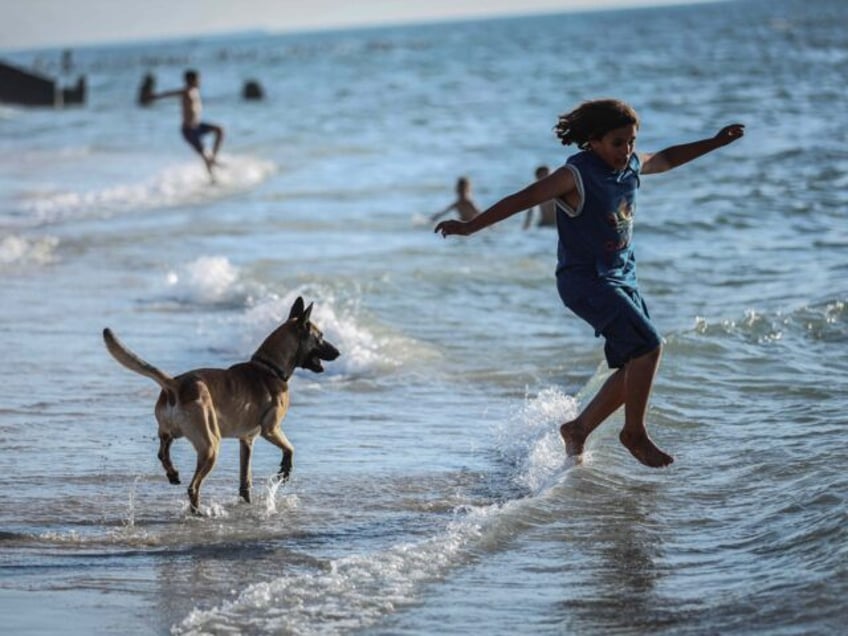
246, 448
165, 441
276, 437
286, 464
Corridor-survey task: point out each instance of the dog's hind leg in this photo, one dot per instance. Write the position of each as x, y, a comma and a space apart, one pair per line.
165, 441
246, 448
205, 462
205, 436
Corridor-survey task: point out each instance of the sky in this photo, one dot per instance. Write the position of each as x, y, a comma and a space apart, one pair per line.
30, 24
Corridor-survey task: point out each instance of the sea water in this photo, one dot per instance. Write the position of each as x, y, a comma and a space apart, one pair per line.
430, 492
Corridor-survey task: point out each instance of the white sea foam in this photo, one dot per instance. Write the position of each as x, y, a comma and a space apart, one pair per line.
16, 250
208, 280
367, 348
363, 351
181, 184
356, 591
348, 593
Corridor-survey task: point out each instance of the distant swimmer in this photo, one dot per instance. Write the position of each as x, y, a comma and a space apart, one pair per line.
464, 206
547, 209
193, 128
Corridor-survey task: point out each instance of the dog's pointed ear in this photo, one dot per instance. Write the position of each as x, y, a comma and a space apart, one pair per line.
297, 309
305, 316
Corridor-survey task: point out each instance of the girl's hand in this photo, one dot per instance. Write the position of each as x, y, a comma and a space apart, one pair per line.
448, 228
730, 133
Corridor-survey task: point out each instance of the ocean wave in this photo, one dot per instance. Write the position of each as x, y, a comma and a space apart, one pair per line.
369, 348
207, 281
825, 321
349, 593
182, 184
356, 591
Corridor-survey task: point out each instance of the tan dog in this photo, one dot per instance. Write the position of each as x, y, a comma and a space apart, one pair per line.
246, 400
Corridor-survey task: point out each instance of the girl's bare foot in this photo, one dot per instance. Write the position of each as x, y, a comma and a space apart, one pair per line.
643, 448
573, 437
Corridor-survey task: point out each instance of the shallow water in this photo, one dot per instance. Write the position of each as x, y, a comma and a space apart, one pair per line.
430, 492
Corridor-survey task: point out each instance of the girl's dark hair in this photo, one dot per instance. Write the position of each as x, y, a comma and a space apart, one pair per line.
592, 120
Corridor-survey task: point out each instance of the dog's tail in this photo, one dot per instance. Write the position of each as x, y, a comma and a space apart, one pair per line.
132, 362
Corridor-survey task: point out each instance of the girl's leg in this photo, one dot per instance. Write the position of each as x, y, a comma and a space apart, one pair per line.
606, 402
638, 381
630, 385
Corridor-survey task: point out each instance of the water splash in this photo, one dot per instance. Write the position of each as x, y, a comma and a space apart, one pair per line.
182, 184
356, 591
208, 280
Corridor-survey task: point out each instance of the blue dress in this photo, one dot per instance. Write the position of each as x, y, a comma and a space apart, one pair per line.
596, 266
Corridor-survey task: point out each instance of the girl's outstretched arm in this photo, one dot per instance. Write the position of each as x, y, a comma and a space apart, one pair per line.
678, 155
557, 184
